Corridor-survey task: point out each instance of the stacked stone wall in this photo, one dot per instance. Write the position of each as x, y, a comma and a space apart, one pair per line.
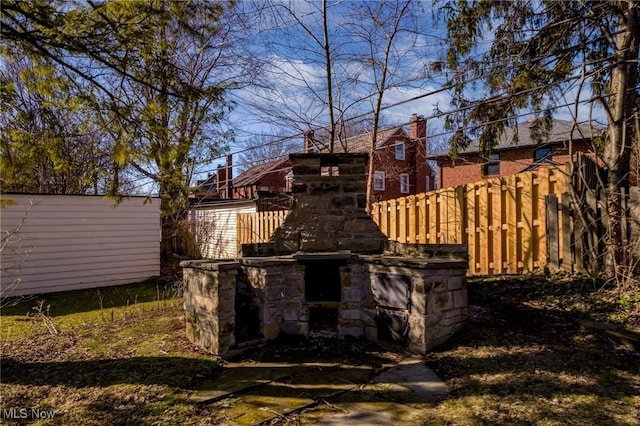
328, 212
209, 304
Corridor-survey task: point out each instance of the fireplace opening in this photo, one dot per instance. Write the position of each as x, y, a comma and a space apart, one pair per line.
322, 280
247, 318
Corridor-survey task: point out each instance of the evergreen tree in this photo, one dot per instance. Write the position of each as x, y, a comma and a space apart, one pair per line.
541, 51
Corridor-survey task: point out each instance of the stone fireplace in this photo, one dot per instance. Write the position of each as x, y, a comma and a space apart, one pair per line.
328, 271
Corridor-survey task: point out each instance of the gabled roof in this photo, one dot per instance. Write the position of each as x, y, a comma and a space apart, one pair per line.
209, 181
253, 175
560, 131
354, 144
361, 143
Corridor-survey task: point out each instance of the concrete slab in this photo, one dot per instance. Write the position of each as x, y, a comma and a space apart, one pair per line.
411, 381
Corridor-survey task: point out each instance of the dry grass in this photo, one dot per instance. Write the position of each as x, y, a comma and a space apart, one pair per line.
522, 359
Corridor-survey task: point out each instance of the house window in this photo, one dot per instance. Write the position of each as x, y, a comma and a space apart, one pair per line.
404, 183
542, 154
378, 181
399, 150
492, 167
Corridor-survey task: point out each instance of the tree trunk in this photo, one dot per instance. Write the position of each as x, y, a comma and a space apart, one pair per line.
617, 152
327, 58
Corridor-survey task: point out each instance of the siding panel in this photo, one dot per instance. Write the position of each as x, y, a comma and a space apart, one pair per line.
76, 242
216, 228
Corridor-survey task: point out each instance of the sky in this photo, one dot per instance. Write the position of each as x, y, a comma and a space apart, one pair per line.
286, 97
292, 82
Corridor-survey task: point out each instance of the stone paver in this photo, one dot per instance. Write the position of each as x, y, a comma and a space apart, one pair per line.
323, 393
238, 377
364, 413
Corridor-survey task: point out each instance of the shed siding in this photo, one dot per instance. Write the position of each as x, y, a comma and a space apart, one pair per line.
76, 242
216, 229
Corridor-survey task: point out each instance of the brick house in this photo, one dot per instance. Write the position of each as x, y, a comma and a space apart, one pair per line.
400, 169
216, 186
509, 158
267, 184
400, 166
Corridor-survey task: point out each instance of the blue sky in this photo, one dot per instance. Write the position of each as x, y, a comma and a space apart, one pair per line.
292, 80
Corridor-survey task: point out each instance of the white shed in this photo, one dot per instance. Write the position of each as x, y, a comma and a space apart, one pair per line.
67, 242
216, 227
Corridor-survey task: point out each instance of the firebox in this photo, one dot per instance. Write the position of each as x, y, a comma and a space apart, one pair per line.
322, 280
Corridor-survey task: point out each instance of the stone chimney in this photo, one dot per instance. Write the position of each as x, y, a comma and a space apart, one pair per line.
329, 209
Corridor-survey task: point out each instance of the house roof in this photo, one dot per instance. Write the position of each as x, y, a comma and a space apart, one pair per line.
253, 175
222, 203
361, 143
354, 144
210, 180
560, 130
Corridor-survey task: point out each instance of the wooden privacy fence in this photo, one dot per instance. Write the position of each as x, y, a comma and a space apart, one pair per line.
513, 224
502, 220
258, 227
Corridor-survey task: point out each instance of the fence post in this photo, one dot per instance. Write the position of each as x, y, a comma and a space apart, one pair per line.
511, 224
432, 217
543, 190
568, 242
459, 227
496, 222
482, 225
526, 225
402, 220
552, 240
471, 228
412, 236
393, 222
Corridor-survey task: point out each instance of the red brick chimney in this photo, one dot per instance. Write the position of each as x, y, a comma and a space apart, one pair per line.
221, 179
417, 127
229, 169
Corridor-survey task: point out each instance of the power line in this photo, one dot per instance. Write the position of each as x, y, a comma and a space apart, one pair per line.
446, 88
450, 132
